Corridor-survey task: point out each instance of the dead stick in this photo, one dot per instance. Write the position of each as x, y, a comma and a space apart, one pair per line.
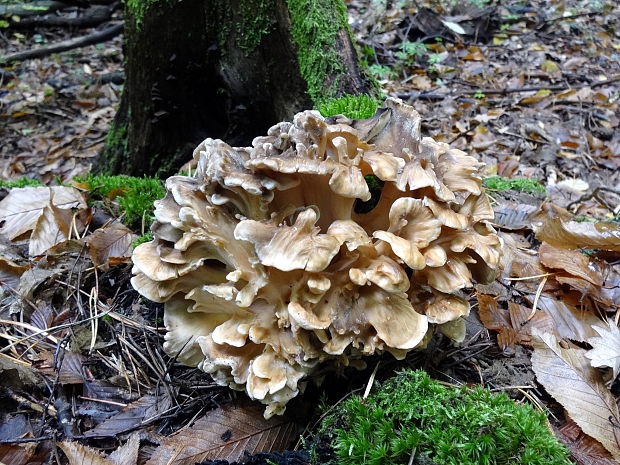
90, 39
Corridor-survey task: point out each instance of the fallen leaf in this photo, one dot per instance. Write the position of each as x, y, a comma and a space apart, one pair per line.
14, 454
571, 261
10, 272
455, 27
567, 375
52, 228
225, 434
575, 235
514, 215
84, 455
606, 348
21, 209
569, 321
421, 82
583, 448
111, 244
71, 370
133, 415
549, 66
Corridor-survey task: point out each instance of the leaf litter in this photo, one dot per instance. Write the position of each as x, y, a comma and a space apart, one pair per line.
532, 90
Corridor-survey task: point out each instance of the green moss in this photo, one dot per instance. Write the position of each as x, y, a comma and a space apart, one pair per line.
499, 184
21, 182
137, 9
352, 106
250, 22
442, 425
147, 237
375, 186
116, 146
315, 25
256, 20
134, 196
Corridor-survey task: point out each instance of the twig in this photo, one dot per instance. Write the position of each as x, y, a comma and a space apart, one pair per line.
90, 39
31, 9
595, 194
26, 440
93, 16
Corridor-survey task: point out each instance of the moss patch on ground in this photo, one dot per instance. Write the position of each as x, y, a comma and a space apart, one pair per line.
500, 184
133, 196
22, 182
412, 413
352, 106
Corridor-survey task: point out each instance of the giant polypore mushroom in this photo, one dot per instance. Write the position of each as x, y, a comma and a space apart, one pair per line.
268, 268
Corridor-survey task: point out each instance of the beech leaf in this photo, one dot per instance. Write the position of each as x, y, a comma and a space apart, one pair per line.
225, 433
606, 348
131, 416
569, 378
52, 227
84, 455
21, 209
575, 235
111, 244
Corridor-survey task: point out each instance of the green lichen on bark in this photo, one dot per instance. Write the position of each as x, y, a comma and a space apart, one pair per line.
315, 25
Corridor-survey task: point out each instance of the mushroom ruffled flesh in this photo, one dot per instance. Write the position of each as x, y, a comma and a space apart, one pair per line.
277, 258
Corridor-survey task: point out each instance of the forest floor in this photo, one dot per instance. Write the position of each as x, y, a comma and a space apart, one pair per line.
530, 88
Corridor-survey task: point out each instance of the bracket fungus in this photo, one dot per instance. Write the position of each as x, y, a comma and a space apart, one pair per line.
268, 268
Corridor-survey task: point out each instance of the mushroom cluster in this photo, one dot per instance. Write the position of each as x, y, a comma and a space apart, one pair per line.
275, 258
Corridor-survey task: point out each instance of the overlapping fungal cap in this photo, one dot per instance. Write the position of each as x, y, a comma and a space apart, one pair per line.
326, 240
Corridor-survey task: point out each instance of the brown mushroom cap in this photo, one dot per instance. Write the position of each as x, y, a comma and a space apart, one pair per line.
268, 270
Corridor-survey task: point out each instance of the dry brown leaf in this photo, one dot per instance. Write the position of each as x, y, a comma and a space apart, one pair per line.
71, 370
492, 317
583, 448
14, 454
225, 433
53, 227
514, 215
575, 235
131, 416
10, 272
513, 325
571, 261
84, 455
21, 209
111, 244
567, 375
523, 324
606, 348
421, 82
569, 321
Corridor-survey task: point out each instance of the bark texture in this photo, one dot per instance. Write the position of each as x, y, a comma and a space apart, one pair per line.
225, 69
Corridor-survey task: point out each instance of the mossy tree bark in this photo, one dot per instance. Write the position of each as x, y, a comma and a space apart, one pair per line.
225, 69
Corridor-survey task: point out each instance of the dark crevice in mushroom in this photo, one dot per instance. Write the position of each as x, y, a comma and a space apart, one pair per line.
375, 186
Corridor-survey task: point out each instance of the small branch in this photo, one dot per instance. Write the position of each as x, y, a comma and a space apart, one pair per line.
32, 9
91, 17
90, 39
26, 440
596, 195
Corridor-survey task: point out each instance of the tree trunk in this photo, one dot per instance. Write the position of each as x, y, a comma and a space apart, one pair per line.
225, 69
